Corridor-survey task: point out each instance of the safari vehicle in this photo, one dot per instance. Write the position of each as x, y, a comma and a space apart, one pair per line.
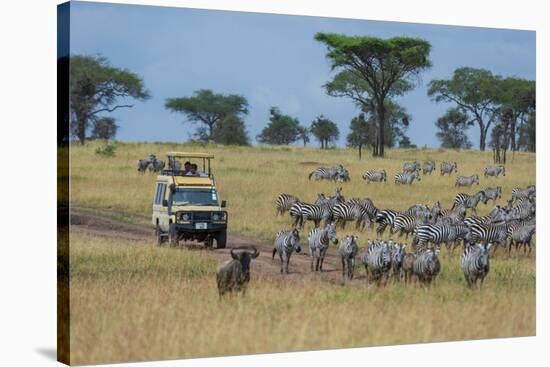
185, 205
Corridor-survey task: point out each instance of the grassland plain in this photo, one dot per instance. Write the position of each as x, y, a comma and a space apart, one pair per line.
133, 302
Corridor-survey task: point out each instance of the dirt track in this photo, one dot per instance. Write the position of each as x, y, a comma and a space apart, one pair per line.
89, 222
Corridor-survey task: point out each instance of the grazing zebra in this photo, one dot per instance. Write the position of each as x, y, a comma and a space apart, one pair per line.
348, 250
329, 173
519, 193
286, 241
407, 266
377, 261
398, 251
385, 218
469, 201
374, 176
467, 180
494, 171
410, 167
426, 266
475, 264
318, 244
486, 233
284, 202
428, 167
447, 167
493, 193
406, 178
406, 223
521, 234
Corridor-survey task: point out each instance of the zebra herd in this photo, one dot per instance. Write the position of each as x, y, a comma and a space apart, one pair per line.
430, 227
151, 163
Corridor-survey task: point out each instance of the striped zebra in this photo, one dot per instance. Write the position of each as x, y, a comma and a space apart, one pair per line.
453, 216
519, 193
368, 213
469, 201
284, 202
348, 250
398, 251
428, 167
494, 171
436, 211
331, 200
342, 175
295, 212
497, 215
406, 223
328, 173
524, 209
426, 266
286, 242
319, 240
377, 261
489, 233
521, 235
438, 234
406, 178
447, 167
347, 211
493, 193
374, 176
475, 264
385, 218
467, 180
321, 199
315, 213
410, 167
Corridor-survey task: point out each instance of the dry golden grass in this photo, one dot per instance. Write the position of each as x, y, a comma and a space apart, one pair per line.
250, 178
133, 302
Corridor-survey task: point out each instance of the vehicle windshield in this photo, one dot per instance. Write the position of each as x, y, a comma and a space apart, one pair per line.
203, 197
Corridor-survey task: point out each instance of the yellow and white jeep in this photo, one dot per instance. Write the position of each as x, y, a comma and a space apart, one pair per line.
186, 205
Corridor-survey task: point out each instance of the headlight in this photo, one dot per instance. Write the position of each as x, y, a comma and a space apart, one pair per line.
185, 217
216, 216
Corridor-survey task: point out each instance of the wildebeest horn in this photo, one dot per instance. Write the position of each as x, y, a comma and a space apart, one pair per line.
256, 252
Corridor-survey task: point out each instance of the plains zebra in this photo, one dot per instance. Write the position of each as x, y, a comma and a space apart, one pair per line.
475, 263
315, 213
348, 250
519, 193
347, 211
467, 180
286, 242
437, 234
494, 171
329, 173
410, 167
406, 178
295, 212
318, 244
469, 201
321, 199
454, 216
374, 176
284, 202
489, 233
524, 209
142, 164
521, 234
398, 251
368, 212
497, 216
447, 167
156, 165
428, 167
377, 261
426, 265
406, 223
385, 218
436, 211
342, 175
493, 193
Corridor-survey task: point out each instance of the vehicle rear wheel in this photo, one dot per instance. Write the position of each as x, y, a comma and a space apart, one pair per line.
172, 235
158, 234
221, 239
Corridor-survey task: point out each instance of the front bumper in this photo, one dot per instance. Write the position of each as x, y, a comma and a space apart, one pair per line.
198, 227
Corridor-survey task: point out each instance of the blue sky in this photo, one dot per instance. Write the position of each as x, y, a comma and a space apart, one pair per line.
272, 60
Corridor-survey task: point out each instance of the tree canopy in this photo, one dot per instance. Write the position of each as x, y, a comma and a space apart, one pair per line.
281, 129
371, 70
360, 133
452, 128
209, 108
96, 87
104, 128
325, 131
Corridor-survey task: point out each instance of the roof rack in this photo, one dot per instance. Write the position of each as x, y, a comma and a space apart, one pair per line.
190, 155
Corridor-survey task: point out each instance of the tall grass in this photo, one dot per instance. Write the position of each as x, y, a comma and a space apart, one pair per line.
136, 302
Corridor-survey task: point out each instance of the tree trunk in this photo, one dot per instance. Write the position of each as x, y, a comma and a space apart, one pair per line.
381, 117
482, 135
359, 151
513, 134
82, 124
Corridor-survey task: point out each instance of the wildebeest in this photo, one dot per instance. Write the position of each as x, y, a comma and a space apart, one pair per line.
234, 274
407, 267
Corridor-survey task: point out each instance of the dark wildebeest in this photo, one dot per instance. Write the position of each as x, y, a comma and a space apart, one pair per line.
234, 274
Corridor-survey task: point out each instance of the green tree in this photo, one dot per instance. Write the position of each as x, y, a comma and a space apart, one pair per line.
96, 87
325, 131
104, 128
303, 134
231, 131
474, 91
452, 128
405, 142
360, 132
208, 108
281, 129
527, 133
372, 70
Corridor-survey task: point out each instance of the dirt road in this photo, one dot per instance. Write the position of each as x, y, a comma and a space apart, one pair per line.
97, 224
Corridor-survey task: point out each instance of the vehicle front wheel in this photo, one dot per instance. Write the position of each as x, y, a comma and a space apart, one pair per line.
172, 235
221, 239
158, 234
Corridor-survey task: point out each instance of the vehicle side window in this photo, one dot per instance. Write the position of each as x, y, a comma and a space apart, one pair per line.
162, 192
157, 194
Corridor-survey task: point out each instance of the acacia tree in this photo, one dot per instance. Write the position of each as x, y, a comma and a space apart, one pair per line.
96, 87
231, 131
208, 108
325, 131
104, 128
303, 134
452, 128
359, 134
373, 70
474, 91
281, 129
